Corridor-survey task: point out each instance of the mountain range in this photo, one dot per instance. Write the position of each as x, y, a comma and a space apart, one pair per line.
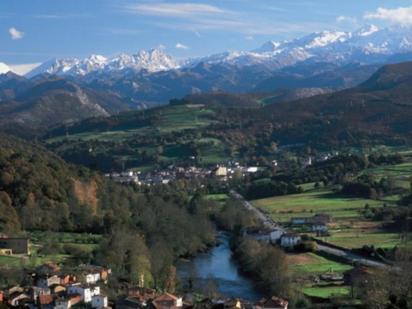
366, 45
67, 90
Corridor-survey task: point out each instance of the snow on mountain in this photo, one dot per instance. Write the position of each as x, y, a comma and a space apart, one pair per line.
154, 60
4, 68
326, 46
367, 45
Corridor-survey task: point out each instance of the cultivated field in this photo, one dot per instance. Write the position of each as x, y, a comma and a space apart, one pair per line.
349, 227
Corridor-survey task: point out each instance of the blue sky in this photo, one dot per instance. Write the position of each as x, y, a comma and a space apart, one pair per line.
37, 30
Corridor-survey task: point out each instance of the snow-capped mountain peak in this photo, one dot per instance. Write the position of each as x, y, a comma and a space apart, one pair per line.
4, 68
367, 45
154, 60
268, 47
327, 37
367, 31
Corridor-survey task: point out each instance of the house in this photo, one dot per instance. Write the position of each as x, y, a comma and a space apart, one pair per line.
86, 292
252, 169
45, 301
316, 219
67, 303
58, 289
99, 301
67, 279
17, 299
47, 281
221, 171
272, 303
265, 235
15, 245
321, 219
319, 228
13, 290
167, 301
290, 240
36, 291
299, 221
275, 235
92, 277
93, 274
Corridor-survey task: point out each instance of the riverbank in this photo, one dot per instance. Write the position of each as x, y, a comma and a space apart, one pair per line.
216, 272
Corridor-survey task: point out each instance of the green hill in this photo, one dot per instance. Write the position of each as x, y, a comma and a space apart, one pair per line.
217, 127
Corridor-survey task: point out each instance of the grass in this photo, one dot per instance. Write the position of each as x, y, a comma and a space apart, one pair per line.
306, 266
163, 122
309, 264
349, 227
283, 208
400, 173
327, 291
167, 119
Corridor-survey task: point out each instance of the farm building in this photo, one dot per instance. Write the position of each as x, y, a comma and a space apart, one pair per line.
11, 246
290, 240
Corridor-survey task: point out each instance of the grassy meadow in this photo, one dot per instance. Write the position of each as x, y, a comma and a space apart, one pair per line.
349, 227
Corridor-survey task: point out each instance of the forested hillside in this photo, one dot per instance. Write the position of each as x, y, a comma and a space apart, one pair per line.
39, 191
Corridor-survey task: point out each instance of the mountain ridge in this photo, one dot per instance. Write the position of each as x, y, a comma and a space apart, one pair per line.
368, 44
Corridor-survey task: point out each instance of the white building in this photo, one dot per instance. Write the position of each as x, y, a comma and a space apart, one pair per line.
275, 235
252, 169
99, 301
86, 293
290, 240
92, 278
47, 281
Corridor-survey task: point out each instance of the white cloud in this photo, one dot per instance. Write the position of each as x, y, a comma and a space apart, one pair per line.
249, 37
15, 34
401, 16
181, 46
174, 9
22, 69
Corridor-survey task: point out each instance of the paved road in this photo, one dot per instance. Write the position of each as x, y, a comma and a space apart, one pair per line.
267, 222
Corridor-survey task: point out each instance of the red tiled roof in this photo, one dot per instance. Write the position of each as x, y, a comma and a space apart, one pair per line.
45, 299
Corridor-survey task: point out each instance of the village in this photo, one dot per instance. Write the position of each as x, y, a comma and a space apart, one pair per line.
52, 288
172, 173
222, 171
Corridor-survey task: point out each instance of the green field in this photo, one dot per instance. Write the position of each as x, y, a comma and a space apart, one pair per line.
166, 120
349, 228
400, 173
61, 241
309, 264
327, 292
170, 133
305, 267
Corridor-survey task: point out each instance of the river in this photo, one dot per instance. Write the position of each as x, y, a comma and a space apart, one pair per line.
216, 269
